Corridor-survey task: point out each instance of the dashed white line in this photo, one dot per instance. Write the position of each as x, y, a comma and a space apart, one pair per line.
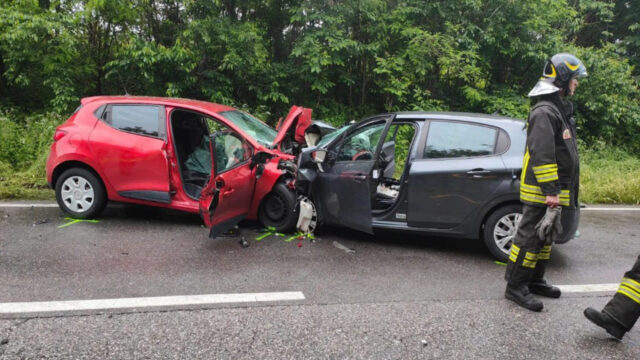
588, 288
145, 302
611, 209
22, 205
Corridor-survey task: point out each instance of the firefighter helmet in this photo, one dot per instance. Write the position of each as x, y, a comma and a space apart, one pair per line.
556, 74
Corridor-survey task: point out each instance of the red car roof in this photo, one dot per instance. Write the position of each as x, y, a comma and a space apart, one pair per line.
159, 100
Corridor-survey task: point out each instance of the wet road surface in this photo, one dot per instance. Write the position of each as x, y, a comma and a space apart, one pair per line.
396, 296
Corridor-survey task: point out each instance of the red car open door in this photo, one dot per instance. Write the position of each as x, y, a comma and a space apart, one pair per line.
226, 198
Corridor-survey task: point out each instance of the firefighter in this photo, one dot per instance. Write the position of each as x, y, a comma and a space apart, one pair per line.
549, 178
623, 310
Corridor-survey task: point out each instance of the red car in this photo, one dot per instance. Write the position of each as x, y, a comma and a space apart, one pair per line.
163, 152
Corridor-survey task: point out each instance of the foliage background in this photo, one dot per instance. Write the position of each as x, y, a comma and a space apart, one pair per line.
345, 59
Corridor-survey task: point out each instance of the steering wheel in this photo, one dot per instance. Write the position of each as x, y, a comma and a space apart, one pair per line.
363, 155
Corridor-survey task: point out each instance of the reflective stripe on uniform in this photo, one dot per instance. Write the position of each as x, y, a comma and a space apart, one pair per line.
514, 253
525, 163
531, 194
546, 173
545, 253
530, 260
543, 168
630, 288
548, 177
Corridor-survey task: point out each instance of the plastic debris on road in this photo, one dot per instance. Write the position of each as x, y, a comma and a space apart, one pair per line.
42, 221
343, 248
71, 221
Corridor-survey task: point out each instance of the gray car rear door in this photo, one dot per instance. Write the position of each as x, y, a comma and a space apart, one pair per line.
459, 171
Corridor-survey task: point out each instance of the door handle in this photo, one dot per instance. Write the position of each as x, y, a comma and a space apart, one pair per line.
229, 191
360, 177
478, 172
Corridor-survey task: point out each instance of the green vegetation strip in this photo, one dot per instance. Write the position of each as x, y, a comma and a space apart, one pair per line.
608, 175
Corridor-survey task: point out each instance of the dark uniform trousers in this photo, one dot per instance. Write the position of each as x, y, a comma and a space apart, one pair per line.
625, 305
529, 255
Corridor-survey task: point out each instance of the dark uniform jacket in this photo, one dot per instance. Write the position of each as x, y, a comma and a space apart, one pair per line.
551, 163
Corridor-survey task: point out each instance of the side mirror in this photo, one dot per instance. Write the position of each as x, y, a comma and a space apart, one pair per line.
260, 158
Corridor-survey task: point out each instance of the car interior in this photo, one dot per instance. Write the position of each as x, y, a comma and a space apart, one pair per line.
393, 160
191, 141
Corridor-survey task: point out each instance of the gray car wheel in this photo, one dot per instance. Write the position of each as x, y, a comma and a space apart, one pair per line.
500, 229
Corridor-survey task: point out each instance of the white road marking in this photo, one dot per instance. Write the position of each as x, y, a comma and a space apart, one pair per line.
145, 302
24, 205
588, 288
611, 209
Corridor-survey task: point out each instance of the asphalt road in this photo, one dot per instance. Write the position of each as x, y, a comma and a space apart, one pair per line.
395, 297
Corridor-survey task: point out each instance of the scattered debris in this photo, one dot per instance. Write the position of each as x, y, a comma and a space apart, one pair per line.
343, 248
71, 221
500, 263
424, 342
233, 232
300, 243
244, 243
301, 236
124, 253
5, 216
4, 341
42, 221
268, 232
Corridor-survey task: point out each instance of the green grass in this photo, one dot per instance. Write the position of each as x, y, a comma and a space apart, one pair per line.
28, 184
609, 176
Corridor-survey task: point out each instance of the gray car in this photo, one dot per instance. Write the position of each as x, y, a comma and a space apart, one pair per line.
445, 174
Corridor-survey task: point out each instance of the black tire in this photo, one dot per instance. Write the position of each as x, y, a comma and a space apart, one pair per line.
86, 181
500, 249
278, 209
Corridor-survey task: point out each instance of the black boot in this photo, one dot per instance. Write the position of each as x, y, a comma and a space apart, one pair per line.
517, 290
539, 285
606, 322
520, 295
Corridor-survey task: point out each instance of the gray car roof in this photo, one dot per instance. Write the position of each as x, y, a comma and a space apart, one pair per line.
474, 117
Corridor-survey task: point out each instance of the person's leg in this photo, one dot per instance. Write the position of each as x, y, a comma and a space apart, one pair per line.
538, 284
523, 259
622, 311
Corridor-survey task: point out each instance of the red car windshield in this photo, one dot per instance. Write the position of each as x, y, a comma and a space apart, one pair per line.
253, 127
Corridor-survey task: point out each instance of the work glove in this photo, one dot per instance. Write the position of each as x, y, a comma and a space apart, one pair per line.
549, 227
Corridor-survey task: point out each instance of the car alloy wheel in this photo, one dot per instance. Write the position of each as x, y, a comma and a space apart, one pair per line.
77, 194
505, 230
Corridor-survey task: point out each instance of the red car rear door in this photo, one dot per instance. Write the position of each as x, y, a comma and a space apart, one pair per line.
226, 198
129, 144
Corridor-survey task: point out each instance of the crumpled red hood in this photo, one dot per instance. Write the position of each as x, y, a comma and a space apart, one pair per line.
299, 117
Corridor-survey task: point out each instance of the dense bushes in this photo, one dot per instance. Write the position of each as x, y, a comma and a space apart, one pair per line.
24, 146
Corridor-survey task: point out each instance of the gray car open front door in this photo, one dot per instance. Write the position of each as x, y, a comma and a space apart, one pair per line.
343, 191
